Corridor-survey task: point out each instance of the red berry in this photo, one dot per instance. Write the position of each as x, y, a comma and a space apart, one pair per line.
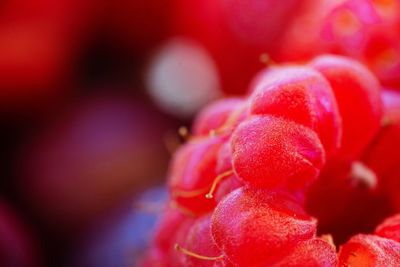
301, 95
237, 116
199, 246
390, 228
215, 115
271, 152
311, 253
362, 29
192, 173
167, 228
175, 257
224, 160
258, 227
358, 96
370, 251
226, 186
381, 53
261, 158
172, 229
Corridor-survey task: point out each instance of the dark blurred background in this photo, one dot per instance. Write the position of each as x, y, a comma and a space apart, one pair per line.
81, 135
91, 96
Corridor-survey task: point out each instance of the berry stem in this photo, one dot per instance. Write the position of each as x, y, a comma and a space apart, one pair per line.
197, 256
216, 181
181, 209
195, 193
189, 194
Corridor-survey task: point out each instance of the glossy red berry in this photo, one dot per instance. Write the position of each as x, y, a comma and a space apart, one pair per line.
240, 114
229, 180
272, 152
390, 228
370, 251
167, 228
254, 227
175, 257
192, 173
311, 253
381, 53
215, 115
224, 160
357, 92
362, 29
302, 95
199, 247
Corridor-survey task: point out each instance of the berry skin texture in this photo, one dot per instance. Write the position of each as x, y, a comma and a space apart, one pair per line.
366, 30
224, 165
173, 227
311, 253
167, 228
390, 228
237, 116
215, 115
381, 53
255, 227
357, 92
302, 95
226, 186
370, 251
193, 171
224, 160
271, 152
175, 257
199, 241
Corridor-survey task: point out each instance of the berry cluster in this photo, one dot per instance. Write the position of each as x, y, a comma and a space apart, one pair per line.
363, 29
268, 179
